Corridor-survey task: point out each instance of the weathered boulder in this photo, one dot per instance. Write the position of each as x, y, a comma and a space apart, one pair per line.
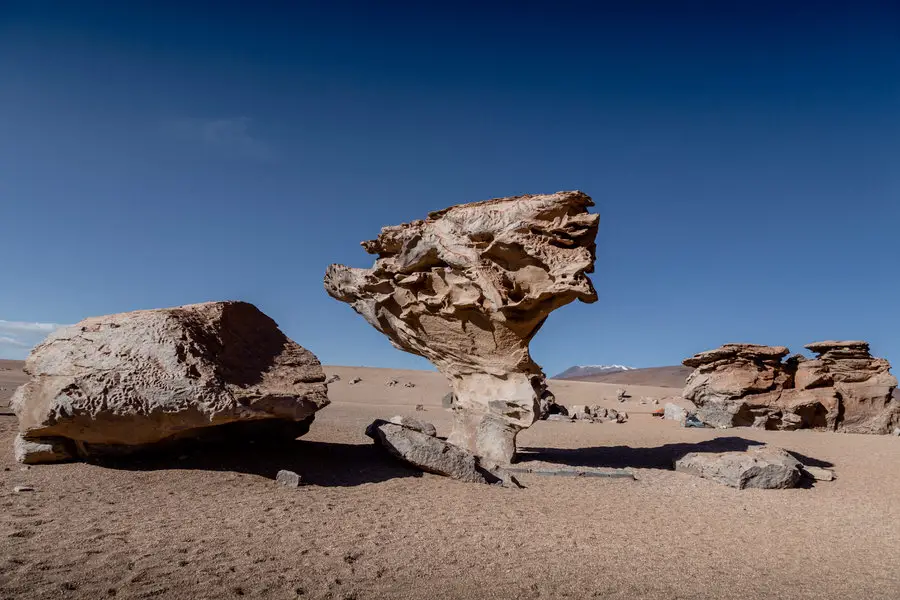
415, 424
673, 412
434, 455
843, 389
120, 382
762, 467
468, 288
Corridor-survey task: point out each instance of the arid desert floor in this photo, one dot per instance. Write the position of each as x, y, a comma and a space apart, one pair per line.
216, 525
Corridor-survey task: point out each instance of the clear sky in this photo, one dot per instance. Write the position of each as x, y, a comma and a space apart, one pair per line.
745, 162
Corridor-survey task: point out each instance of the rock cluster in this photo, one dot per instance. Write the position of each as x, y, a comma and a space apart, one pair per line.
590, 414
468, 288
843, 389
120, 382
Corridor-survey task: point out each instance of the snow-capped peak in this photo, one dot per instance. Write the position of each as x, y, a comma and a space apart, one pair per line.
588, 370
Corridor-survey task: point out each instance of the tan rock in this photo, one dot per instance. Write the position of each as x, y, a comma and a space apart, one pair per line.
467, 288
761, 467
843, 389
125, 381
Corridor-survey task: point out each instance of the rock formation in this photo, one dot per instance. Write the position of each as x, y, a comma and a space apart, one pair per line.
467, 288
115, 383
761, 467
421, 449
843, 389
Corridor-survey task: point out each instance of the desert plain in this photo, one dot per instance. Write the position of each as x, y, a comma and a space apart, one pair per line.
214, 523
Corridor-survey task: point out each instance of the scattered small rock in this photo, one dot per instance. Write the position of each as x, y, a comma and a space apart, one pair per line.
392, 383
818, 473
333, 378
415, 424
409, 384
559, 417
420, 407
355, 380
621, 395
897, 431
23, 488
288, 478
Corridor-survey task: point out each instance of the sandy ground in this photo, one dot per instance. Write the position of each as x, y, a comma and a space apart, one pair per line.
215, 525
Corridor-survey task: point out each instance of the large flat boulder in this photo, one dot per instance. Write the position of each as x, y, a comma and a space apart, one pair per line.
433, 455
761, 467
122, 382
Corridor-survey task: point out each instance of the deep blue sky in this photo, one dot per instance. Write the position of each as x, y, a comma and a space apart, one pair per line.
745, 162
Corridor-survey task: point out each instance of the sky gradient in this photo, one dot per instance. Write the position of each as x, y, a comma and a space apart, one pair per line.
744, 161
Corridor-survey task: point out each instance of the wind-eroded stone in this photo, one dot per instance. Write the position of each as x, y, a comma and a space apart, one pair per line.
843, 389
467, 288
114, 383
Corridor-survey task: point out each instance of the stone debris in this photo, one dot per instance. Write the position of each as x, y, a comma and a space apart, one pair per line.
392, 383
468, 288
589, 414
420, 407
415, 424
673, 412
763, 467
409, 384
843, 389
123, 382
334, 378
560, 417
355, 380
434, 455
818, 473
621, 395
897, 431
23, 488
288, 478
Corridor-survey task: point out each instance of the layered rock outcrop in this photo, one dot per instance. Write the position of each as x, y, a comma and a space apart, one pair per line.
116, 383
468, 288
843, 389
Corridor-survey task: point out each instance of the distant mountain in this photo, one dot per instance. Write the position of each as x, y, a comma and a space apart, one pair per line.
579, 371
673, 376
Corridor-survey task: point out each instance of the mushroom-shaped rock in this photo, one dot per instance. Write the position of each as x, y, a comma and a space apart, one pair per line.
116, 383
468, 288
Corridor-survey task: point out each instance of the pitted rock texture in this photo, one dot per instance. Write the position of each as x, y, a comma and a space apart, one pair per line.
115, 383
467, 288
843, 389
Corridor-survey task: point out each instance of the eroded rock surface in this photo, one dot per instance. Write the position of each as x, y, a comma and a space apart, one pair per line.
119, 382
434, 455
468, 288
843, 389
762, 467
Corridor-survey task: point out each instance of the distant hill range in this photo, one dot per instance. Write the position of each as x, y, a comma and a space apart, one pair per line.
579, 371
11, 377
673, 376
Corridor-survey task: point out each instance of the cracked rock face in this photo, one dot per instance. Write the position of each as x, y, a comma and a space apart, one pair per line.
467, 288
115, 383
843, 389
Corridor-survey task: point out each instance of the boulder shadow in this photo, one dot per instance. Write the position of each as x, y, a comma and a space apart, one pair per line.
659, 457
324, 464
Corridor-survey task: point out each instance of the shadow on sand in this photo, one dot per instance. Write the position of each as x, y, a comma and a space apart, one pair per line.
317, 463
660, 457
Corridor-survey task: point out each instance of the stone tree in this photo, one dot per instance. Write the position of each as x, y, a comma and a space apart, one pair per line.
467, 288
